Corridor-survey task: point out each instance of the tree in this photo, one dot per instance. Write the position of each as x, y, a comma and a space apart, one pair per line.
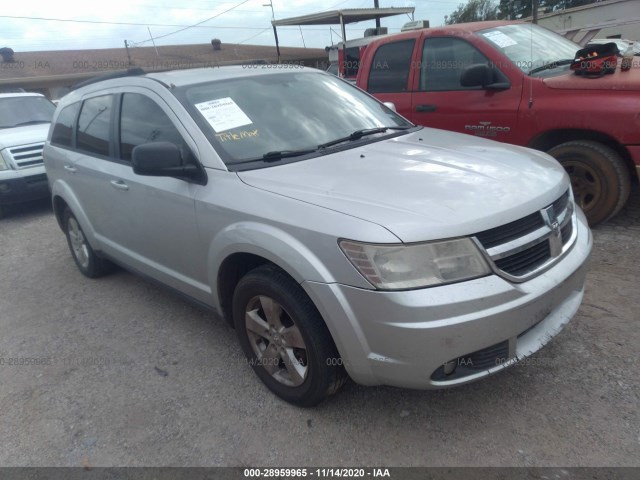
514, 9
473, 11
479, 10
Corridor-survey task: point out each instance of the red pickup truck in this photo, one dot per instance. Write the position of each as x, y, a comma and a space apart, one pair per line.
511, 82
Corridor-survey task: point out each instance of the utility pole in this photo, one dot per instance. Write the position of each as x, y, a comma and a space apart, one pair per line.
275, 30
126, 45
534, 13
376, 5
153, 41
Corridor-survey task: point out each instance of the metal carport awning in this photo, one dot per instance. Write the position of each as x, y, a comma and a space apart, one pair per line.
339, 17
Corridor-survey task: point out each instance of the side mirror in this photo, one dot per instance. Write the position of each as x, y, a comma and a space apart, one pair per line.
390, 106
481, 75
163, 159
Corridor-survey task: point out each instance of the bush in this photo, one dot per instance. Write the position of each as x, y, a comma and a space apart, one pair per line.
7, 54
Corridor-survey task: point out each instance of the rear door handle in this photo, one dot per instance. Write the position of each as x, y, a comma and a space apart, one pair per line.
119, 184
426, 108
71, 169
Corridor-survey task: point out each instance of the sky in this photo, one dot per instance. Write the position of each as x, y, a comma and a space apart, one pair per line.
236, 21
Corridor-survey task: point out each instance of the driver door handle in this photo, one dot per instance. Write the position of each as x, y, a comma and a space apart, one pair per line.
71, 169
426, 108
119, 184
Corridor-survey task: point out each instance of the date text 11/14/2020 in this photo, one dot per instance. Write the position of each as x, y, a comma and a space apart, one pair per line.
316, 472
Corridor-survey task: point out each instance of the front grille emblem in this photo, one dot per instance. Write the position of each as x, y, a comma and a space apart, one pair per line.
555, 240
528, 246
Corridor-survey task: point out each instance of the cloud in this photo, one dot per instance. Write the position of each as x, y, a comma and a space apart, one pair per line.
232, 27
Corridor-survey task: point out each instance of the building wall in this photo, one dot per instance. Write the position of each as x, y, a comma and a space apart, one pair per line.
596, 13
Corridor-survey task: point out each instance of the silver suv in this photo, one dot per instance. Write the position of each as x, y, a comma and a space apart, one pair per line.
335, 236
24, 123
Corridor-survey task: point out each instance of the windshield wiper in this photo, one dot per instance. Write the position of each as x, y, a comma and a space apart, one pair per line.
280, 154
358, 134
277, 155
549, 66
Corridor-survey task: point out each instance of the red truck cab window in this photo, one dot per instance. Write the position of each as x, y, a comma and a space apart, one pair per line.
391, 67
443, 61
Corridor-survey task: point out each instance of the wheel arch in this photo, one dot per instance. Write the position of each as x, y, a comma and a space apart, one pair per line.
63, 197
241, 248
232, 269
552, 138
59, 206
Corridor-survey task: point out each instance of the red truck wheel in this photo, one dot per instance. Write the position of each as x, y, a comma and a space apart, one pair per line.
599, 177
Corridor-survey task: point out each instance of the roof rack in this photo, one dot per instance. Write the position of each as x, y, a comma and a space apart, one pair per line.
132, 72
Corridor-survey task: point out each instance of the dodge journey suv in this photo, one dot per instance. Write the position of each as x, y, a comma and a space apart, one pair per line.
338, 238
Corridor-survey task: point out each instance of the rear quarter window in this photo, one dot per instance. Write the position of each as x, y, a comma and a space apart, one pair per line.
62, 134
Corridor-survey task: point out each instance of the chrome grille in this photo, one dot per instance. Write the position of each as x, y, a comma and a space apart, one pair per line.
521, 249
525, 261
561, 204
27, 156
496, 236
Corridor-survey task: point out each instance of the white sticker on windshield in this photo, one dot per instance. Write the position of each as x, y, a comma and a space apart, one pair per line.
500, 39
223, 114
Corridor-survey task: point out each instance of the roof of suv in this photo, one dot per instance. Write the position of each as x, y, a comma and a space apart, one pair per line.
199, 75
178, 78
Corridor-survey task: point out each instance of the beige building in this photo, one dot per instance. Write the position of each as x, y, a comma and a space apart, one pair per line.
54, 72
621, 19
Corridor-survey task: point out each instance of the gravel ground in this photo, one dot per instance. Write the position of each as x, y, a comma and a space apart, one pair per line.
135, 376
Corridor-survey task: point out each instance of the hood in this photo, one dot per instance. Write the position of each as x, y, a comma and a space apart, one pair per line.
425, 185
28, 134
619, 80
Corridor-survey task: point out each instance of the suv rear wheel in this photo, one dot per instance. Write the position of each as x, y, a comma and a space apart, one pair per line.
284, 338
599, 177
86, 259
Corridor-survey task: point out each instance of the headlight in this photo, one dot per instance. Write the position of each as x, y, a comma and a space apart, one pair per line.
3, 163
400, 267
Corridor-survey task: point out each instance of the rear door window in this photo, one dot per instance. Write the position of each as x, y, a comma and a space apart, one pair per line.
390, 67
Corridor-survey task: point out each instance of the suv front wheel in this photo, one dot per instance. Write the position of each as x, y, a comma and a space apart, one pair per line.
284, 338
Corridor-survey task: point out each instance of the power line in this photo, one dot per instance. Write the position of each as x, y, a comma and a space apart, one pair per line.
130, 24
254, 36
199, 23
103, 22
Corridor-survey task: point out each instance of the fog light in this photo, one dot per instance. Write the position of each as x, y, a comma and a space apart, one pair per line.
4, 188
450, 367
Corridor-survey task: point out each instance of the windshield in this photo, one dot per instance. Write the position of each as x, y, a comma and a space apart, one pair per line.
531, 47
17, 111
247, 118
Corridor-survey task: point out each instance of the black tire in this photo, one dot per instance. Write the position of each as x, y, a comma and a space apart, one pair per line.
89, 264
599, 177
323, 371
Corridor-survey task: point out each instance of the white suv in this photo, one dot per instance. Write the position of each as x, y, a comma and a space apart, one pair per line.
330, 231
24, 123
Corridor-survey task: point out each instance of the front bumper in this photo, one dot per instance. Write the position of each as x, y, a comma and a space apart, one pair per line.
19, 186
404, 338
